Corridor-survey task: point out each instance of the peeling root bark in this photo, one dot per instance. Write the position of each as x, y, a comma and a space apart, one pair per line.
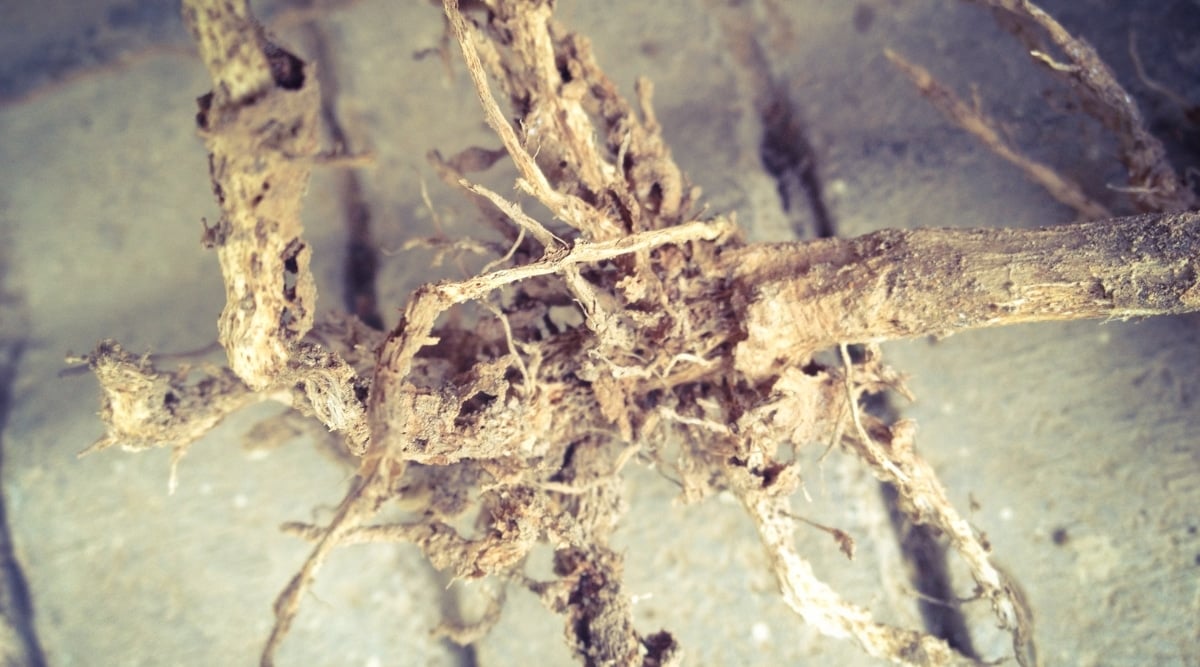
805, 297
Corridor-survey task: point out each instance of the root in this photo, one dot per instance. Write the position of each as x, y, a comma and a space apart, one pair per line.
973, 120
1152, 180
822, 608
637, 328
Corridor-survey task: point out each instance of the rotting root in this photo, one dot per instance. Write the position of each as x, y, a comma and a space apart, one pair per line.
685, 334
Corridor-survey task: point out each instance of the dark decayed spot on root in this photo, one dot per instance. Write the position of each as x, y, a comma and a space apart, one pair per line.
812, 368
656, 197
286, 69
212, 173
649, 401
568, 458
291, 268
659, 647
770, 473
472, 406
203, 105
262, 193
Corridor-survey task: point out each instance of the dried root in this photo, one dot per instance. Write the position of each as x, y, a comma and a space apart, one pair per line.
972, 119
1154, 186
1153, 183
144, 408
632, 325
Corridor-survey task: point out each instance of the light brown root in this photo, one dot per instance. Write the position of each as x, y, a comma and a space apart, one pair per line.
367, 493
821, 607
258, 87
570, 209
890, 453
806, 297
975, 121
923, 499
143, 408
1153, 182
634, 328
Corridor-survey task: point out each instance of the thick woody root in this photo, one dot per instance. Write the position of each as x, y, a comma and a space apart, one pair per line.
146, 408
260, 125
892, 284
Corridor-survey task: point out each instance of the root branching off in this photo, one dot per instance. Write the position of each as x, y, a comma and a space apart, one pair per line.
685, 334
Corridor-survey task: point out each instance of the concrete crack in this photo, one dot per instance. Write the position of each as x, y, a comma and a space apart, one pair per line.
784, 148
925, 559
19, 644
362, 257
788, 156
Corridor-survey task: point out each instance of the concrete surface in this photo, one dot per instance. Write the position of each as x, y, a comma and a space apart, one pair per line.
1078, 442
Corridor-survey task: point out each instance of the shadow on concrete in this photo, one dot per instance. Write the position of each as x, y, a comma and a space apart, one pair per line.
18, 641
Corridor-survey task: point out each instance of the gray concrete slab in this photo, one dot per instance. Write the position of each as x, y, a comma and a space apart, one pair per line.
1077, 441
